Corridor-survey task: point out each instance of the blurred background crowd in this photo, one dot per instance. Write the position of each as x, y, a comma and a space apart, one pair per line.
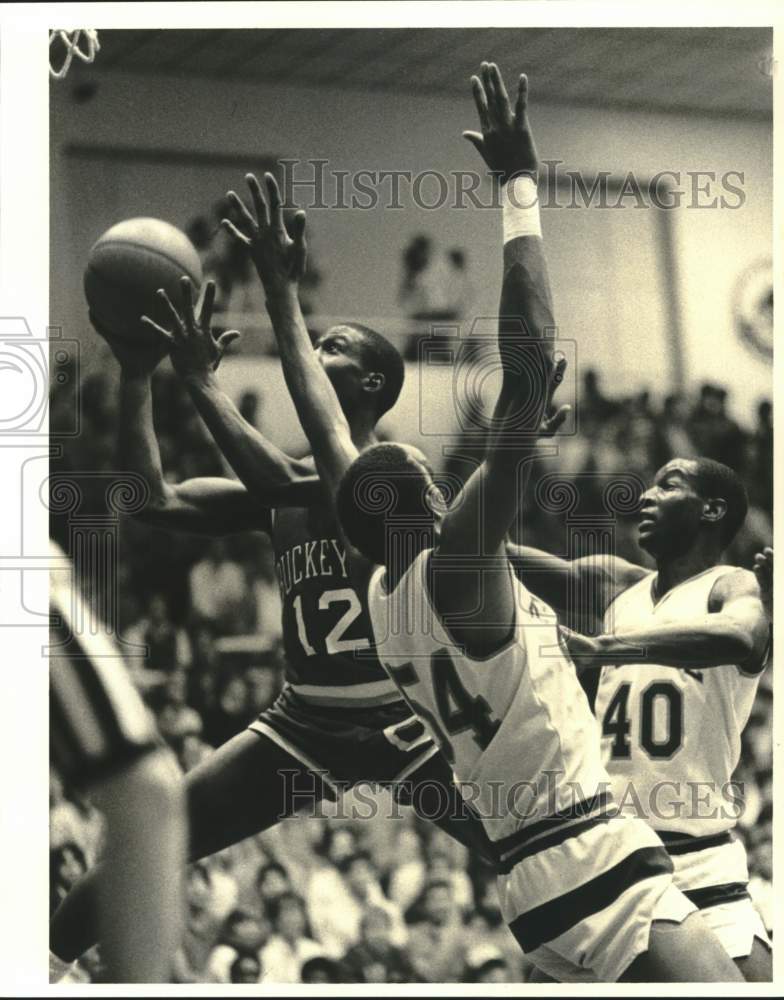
335, 898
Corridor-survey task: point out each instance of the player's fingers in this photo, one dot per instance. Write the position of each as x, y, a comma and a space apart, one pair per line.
175, 316
501, 96
558, 419
158, 329
188, 311
207, 305
300, 243
521, 104
259, 203
229, 226
227, 339
275, 205
480, 99
492, 98
476, 139
245, 217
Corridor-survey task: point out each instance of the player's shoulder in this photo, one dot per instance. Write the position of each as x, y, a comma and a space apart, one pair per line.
734, 582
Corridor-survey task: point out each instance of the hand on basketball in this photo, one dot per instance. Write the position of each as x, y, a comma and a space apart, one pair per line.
279, 258
193, 349
763, 570
135, 358
505, 143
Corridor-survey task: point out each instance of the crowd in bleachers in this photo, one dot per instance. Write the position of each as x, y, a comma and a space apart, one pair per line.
334, 898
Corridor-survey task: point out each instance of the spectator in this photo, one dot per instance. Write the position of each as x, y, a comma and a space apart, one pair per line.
486, 964
242, 934
438, 940
67, 864
168, 648
246, 968
375, 959
272, 882
337, 898
217, 589
291, 945
321, 970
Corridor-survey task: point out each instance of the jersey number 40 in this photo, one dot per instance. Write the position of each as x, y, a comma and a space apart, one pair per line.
661, 695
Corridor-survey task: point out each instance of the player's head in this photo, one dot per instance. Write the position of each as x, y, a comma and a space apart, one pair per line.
365, 369
388, 503
691, 499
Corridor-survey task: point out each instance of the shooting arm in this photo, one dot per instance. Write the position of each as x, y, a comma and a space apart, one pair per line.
198, 506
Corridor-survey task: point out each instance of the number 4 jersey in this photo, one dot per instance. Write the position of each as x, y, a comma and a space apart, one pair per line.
671, 736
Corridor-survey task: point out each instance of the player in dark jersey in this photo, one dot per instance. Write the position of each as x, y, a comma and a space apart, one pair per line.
339, 719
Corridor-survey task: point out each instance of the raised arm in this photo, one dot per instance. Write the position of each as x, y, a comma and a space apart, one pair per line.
280, 262
525, 332
204, 506
195, 355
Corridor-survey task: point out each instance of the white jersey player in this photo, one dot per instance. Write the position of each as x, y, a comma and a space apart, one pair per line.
584, 889
683, 649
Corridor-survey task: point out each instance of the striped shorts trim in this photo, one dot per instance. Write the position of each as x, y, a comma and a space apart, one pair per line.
550, 920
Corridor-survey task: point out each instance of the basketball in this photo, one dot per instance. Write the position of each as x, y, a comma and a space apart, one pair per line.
125, 268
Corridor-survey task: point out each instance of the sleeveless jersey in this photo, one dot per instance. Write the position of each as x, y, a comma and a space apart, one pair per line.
671, 736
516, 726
330, 659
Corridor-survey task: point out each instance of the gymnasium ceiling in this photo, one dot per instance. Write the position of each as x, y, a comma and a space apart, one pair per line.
706, 71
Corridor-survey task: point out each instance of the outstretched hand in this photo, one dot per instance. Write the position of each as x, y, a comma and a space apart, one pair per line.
190, 342
279, 259
506, 142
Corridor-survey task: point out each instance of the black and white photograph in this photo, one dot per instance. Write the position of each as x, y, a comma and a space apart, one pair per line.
387, 421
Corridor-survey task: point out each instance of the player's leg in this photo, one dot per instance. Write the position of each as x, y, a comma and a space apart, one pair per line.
246, 786
757, 966
681, 953
139, 897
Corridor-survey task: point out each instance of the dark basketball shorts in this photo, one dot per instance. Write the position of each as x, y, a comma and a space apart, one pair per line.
347, 746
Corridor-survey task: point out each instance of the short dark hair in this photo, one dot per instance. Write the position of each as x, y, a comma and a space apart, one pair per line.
383, 481
715, 481
270, 866
379, 355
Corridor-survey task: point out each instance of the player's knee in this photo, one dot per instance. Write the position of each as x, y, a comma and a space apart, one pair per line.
153, 779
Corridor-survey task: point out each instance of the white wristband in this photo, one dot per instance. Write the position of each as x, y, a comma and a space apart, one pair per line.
520, 204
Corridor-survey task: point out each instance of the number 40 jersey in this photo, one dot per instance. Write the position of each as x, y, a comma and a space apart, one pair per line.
671, 736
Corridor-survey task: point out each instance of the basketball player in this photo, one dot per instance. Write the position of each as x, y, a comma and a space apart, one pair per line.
583, 890
340, 719
682, 652
103, 740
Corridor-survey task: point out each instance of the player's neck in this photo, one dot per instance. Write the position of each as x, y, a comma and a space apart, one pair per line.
672, 570
363, 429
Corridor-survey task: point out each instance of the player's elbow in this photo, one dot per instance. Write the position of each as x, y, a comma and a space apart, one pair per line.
738, 640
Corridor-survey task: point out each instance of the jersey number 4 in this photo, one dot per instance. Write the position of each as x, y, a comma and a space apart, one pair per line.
458, 710
658, 696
